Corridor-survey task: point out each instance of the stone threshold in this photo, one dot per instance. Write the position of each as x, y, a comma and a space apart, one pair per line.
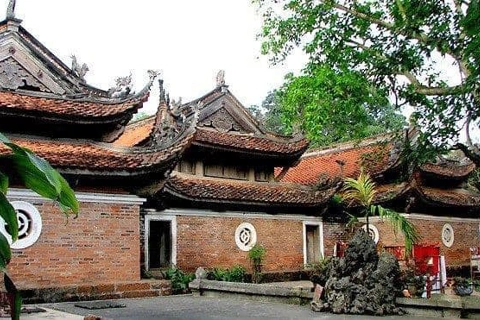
85, 292
268, 292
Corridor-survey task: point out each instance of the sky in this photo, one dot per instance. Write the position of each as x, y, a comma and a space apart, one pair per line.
188, 40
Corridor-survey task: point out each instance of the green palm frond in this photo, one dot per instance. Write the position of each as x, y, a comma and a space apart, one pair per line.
361, 190
401, 224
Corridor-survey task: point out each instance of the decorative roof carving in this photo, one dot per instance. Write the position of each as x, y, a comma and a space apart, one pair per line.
172, 122
222, 121
123, 87
13, 76
221, 78
77, 69
11, 9
173, 119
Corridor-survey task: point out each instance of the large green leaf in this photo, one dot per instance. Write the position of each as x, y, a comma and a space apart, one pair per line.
3, 183
39, 176
15, 300
8, 213
4, 139
5, 252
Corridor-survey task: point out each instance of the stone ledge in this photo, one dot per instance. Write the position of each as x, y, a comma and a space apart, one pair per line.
443, 306
84, 292
263, 292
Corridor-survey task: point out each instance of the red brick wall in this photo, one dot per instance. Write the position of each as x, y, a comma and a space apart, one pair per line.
466, 236
210, 242
333, 232
101, 246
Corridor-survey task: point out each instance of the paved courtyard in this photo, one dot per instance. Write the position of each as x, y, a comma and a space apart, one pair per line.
189, 307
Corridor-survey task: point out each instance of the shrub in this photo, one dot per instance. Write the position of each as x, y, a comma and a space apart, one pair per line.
236, 274
321, 270
179, 279
256, 256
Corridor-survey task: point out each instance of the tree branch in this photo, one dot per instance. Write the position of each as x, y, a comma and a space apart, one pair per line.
419, 36
473, 155
422, 37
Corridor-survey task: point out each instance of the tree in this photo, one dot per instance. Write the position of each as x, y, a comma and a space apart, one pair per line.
40, 177
361, 191
270, 114
424, 54
336, 106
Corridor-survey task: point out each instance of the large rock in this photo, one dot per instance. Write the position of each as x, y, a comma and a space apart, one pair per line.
362, 281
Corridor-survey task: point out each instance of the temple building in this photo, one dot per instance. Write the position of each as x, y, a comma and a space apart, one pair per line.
222, 197
49, 108
197, 184
435, 196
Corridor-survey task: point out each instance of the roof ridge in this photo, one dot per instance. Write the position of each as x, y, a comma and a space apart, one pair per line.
348, 145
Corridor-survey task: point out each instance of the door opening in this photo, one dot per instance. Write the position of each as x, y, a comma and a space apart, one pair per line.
159, 244
313, 243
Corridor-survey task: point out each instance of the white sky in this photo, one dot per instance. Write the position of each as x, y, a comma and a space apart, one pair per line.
188, 40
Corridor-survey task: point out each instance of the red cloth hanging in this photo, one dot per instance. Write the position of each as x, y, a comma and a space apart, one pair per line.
427, 258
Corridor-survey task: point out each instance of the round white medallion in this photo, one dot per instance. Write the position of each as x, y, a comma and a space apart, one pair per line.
372, 232
29, 225
245, 236
447, 235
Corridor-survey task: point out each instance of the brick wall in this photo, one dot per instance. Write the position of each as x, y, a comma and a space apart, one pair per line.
210, 242
101, 246
333, 232
466, 236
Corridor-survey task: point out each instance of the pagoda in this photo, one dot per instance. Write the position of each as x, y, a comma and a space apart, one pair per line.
224, 188
49, 108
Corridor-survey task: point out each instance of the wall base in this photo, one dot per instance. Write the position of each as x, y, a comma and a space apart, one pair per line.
132, 289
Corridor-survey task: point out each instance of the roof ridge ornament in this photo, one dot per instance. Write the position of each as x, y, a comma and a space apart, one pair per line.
220, 78
123, 87
11, 9
79, 70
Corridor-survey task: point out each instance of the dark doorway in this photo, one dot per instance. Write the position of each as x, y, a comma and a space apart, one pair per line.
160, 244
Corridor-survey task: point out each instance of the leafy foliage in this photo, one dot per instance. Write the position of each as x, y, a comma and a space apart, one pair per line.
39, 176
269, 114
423, 55
256, 256
179, 279
361, 191
335, 106
235, 274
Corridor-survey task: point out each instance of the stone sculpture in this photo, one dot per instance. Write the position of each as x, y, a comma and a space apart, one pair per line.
123, 87
11, 9
79, 70
362, 282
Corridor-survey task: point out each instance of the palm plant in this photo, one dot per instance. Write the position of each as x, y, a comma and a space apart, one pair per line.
362, 191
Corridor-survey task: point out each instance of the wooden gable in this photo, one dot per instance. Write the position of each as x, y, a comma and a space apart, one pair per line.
227, 114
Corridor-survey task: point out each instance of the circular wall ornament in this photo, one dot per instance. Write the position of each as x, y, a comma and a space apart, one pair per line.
372, 232
245, 236
29, 225
447, 235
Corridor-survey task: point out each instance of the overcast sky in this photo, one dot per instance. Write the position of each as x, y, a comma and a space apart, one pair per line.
188, 40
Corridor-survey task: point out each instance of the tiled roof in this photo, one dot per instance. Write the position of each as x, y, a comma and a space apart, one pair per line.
94, 157
339, 162
244, 192
11, 102
388, 192
136, 132
449, 169
248, 142
451, 197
